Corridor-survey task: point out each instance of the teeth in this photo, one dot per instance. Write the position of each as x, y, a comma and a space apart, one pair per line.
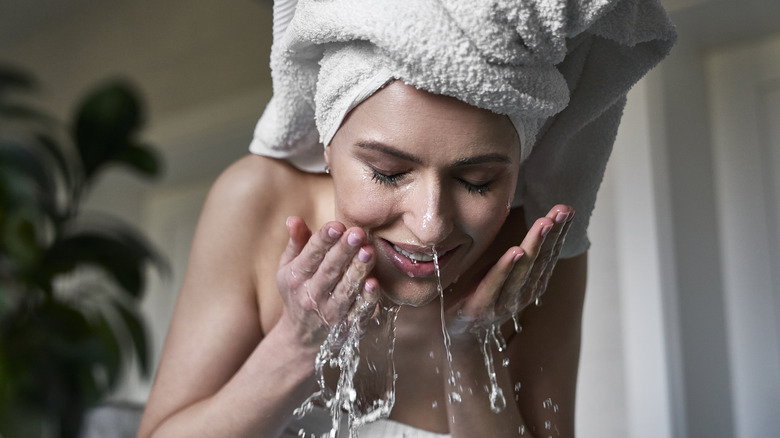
414, 256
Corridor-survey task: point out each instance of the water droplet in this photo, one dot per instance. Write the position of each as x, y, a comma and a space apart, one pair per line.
430, 354
521, 430
538, 301
516, 320
547, 404
435, 404
547, 425
518, 385
505, 362
555, 407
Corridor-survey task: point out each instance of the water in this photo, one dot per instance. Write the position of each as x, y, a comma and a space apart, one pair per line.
495, 393
455, 389
366, 389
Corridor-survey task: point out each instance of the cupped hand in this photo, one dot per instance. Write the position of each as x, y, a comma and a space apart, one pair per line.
323, 279
517, 279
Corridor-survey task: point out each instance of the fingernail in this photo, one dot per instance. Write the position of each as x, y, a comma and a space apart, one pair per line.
363, 255
546, 230
561, 217
354, 240
370, 288
334, 233
518, 256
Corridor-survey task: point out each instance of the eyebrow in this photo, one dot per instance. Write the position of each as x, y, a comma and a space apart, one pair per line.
467, 161
381, 147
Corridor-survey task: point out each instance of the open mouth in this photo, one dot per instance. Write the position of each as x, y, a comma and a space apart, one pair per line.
415, 261
414, 256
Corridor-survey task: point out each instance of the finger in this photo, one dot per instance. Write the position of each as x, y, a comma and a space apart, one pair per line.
365, 306
351, 283
535, 238
561, 215
515, 294
485, 296
547, 259
311, 256
299, 234
540, 278
336, 262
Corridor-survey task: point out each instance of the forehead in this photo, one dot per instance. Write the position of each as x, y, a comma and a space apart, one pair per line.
406, 117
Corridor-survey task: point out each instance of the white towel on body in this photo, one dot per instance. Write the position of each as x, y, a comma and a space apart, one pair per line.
559, 69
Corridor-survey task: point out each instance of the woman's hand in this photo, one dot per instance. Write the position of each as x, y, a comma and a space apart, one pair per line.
518, 279
322, 279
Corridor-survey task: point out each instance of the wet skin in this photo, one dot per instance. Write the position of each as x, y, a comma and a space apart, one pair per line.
248, 324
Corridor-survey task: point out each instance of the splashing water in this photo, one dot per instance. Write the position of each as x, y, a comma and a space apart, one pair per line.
496, 394
453, 396
351, 403
357, 381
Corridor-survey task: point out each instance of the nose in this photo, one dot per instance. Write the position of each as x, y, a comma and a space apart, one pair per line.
430, 212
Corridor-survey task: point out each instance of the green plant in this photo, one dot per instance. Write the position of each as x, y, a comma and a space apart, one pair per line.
70, 285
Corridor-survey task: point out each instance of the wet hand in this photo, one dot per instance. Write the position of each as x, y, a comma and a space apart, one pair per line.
323, 279
518, 278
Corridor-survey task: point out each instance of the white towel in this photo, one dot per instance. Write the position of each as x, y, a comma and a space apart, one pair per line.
560, 69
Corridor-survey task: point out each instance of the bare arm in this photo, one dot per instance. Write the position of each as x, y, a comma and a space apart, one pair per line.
219, 374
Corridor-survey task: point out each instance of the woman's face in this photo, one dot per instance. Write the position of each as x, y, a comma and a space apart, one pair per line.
423, 172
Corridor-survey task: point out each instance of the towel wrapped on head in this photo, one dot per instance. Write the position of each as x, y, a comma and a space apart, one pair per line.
559, 69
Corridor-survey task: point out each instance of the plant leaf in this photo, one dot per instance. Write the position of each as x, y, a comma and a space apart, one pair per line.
110, 352
134, 323
53, 148
140, 158
26, 113
29, 163
123, 259
105, 123
15, 78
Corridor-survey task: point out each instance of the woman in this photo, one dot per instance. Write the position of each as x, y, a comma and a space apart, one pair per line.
424, 169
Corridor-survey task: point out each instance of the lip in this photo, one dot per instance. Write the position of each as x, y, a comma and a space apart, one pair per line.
414, 269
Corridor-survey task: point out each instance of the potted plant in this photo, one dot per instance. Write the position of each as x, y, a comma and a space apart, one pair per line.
70, 283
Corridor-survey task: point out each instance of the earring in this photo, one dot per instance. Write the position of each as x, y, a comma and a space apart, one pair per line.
327, 169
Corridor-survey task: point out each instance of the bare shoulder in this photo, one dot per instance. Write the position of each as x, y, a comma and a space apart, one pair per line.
228, 297
246, 212
251, 200
256, 185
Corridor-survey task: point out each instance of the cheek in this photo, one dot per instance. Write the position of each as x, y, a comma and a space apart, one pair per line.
482, 218
360, 201
483, 221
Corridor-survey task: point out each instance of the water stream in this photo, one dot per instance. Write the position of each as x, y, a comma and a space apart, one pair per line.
366, 389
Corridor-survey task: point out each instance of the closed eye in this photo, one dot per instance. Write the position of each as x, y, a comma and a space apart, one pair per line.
480, 189
384, 179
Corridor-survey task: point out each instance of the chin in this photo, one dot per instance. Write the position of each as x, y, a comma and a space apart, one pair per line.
415, 292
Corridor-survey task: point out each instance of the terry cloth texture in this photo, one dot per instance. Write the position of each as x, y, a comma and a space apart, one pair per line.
559, 69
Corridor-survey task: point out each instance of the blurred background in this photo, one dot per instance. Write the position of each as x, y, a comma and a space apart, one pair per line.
682, 321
